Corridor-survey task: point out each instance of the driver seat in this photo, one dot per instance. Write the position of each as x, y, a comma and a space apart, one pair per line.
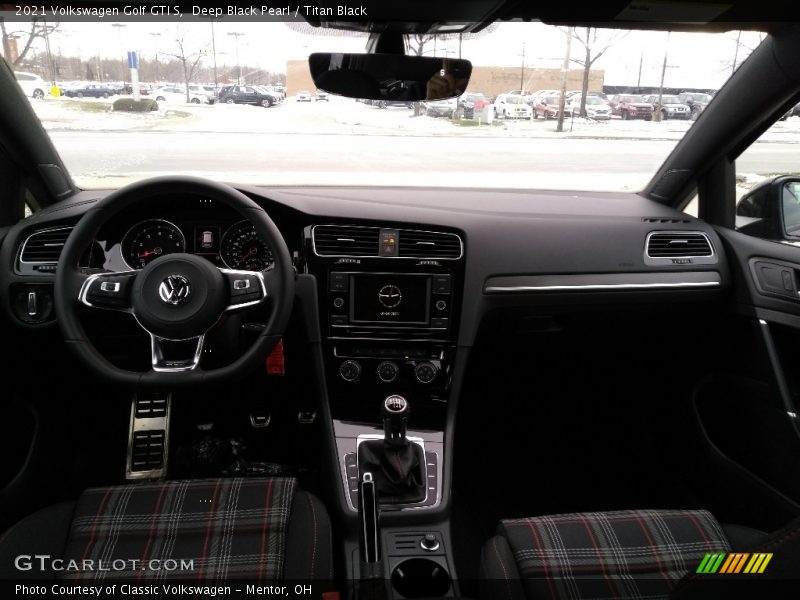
265, 530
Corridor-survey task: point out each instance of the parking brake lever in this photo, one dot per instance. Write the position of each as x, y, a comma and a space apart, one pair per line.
372, 585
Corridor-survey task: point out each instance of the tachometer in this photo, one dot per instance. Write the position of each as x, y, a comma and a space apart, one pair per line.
148, 240
242, 248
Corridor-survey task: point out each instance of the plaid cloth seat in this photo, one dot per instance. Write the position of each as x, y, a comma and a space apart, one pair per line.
262, 530
638, 554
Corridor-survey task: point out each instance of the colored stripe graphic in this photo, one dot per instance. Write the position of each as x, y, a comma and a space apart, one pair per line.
734, 563
767, 558
729, 562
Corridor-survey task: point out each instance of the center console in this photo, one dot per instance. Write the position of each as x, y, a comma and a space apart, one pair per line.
390, 301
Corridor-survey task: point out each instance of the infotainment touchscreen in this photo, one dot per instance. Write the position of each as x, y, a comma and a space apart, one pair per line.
390, 298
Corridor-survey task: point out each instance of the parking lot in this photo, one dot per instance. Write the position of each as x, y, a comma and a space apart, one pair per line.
349, 142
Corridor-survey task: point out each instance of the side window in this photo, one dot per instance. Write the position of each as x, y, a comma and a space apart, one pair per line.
768, 184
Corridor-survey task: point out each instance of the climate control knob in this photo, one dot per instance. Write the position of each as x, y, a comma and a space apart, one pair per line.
425, 372
388, 371
350, 371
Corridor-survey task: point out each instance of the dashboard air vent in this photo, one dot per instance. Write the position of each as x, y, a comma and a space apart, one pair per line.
678, 245
45, 246
429, 244
345, 240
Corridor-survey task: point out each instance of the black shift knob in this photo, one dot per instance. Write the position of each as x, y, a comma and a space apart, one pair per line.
395, 420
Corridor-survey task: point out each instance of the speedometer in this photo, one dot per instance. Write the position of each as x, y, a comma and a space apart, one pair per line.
148, 240
242, 248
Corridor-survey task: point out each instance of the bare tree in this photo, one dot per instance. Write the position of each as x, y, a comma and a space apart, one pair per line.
745, 42
418, 41
595, 43
37, 28
189, 62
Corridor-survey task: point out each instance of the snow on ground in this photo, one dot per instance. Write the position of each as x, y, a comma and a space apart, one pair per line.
346, 116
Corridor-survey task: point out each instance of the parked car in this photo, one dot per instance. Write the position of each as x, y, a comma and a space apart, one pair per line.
246, 94
321, 96
546, 106
175, 94
441, 108
671, 107
304, 96
696, 102
511, 106
33, 85
276, 97
628, 106
90, 90
206, 91
596, 107
470, 101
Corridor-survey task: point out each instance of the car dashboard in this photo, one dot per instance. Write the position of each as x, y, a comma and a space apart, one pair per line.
454, 253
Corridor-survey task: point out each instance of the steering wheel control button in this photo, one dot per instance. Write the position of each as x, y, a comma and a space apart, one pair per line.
429, 543
350, 371
175, 290
108, 291
244, 288
425, 372
388, 371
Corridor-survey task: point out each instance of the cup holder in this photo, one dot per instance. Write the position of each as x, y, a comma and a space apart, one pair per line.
420, 578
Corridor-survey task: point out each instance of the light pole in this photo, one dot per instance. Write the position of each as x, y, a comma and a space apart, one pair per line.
214, 53
237, 35
119, 27
564, 75
522, 71
658, 115
50, 64
156, 35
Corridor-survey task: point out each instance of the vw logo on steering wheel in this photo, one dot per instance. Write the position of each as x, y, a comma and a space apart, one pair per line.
174, 290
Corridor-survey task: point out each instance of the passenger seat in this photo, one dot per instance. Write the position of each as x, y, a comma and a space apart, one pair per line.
638, 554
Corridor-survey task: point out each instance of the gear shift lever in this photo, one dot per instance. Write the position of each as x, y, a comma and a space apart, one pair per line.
397, 464
395, 421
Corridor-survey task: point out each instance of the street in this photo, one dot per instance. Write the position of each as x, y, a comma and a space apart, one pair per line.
110, 158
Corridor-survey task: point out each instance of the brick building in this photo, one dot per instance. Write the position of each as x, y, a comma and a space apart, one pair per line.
489, 80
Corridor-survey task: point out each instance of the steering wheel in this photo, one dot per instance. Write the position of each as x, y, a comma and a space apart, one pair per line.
176, 297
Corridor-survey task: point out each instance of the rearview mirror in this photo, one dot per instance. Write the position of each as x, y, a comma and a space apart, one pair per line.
389, 76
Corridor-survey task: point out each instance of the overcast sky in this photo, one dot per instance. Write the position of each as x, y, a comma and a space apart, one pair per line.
694, 60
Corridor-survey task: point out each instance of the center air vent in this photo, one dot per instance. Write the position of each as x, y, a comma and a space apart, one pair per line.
345, 240
429, 244
45, 246
679, 247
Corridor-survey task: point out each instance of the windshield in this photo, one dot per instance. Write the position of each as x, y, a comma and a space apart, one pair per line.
669, 100
227, 127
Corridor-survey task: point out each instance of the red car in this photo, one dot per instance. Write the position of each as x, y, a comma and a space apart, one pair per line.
546, 106
631, 107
